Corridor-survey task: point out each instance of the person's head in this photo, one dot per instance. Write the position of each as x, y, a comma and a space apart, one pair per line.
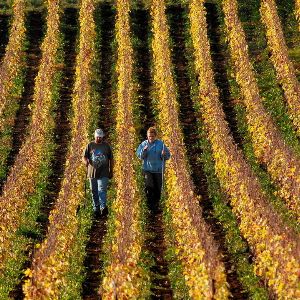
151, 134
99, 135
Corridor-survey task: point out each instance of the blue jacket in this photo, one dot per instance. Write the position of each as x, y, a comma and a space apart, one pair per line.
152, 157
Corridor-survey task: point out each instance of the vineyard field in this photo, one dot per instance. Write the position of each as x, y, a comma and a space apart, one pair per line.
219, 80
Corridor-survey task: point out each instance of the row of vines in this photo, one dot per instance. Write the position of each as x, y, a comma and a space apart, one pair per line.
30, 168
48, 275
262, 228
297, 10
279, 56
56, 268
11, 82
282, 164
124, 274
203, 271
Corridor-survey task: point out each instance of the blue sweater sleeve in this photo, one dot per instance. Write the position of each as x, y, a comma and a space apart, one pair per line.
167, 152
139, 152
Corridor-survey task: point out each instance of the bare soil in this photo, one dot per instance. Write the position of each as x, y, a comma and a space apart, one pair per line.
154, 244
4, 34
105, 19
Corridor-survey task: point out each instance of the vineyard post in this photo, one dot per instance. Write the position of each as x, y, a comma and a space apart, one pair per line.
85, 180
162, 171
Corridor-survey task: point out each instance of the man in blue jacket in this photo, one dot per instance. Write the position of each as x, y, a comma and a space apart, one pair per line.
154, 153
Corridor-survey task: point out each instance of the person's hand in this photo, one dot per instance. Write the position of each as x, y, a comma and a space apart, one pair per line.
87, 163
145, 148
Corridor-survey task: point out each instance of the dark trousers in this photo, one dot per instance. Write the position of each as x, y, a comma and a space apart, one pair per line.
153, 183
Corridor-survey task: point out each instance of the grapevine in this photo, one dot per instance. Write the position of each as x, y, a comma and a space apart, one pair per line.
279, 56
203, 271
11, 63
11, 78
22, 178
50, 264
124, 277
259, 224
282, 163
297, 11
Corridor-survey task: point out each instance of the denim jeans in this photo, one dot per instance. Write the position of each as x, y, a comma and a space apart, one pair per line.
99, 191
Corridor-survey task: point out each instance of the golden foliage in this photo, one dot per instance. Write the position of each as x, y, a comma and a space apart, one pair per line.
11, 63
22, 178
279, 56
195, 247
276, 248
123, 277
51, 261
268, 144
297, 11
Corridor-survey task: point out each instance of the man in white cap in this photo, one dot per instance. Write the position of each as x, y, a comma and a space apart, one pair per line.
98, 158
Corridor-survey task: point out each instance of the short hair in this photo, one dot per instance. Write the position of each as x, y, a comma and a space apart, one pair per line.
152, 130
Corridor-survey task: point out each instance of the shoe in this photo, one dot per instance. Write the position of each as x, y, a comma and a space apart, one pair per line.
97, 213
104, 211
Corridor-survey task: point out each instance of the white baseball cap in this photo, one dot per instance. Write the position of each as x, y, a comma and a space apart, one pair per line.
99, 133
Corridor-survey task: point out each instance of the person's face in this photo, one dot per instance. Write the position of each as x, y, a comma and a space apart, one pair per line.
98, 139
151, 137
